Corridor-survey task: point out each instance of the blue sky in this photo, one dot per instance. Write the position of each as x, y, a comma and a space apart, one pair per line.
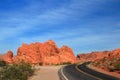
83, 25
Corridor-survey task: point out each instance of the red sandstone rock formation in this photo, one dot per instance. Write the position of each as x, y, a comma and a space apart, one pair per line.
66, 55
46, 53
111, 62
107, 60
93, 56
8, 57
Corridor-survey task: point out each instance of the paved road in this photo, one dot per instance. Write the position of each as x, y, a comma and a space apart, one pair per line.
81, 72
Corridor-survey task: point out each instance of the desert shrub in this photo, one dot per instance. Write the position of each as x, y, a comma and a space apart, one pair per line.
117, 66
16, 72
111, 69
111, 62
96, 63
56, 64
64, 63
103, 59
2, 63
40, 63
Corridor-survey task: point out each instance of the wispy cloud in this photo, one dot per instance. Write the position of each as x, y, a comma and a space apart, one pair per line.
14, 24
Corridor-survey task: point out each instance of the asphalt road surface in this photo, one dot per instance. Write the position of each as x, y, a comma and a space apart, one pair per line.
81, 72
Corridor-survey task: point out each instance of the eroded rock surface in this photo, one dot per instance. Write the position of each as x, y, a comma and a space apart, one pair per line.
107, 60
93, 56
46, 53
8, 57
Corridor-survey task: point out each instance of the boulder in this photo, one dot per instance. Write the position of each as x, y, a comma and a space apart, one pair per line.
9, 57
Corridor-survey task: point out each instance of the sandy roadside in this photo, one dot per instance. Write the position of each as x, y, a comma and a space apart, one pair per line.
103, 71
46, 73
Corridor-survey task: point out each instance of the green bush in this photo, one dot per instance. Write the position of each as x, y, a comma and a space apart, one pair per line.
64, 63
16, 72
2, 63
117, 66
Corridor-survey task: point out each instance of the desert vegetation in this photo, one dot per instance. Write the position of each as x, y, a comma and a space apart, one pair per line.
107, 60
117, 66
109, 64
17, 71
2, 63
65, 63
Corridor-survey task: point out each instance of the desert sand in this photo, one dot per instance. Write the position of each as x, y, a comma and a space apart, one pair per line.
46, 73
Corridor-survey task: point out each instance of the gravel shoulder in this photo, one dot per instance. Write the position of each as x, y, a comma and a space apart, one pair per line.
46, 73
103, 71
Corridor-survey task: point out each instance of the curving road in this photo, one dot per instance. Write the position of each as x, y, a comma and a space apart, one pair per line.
82, 72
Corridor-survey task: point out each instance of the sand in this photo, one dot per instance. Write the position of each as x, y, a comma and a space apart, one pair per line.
46, 73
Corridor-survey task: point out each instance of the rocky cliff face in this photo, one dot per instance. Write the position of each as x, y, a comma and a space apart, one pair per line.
46, 53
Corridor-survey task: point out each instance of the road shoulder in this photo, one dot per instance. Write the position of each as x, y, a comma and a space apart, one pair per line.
103, 71
46, 73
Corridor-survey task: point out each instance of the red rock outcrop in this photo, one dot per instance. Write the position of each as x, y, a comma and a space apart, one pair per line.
66, 55
107, 60
46, 53
111, 62
92, 56
9, 57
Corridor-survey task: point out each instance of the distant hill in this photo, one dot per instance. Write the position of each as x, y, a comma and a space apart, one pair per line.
107, 60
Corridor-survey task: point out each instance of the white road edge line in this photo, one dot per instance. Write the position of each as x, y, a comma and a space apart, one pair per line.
86, 73
63, 74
